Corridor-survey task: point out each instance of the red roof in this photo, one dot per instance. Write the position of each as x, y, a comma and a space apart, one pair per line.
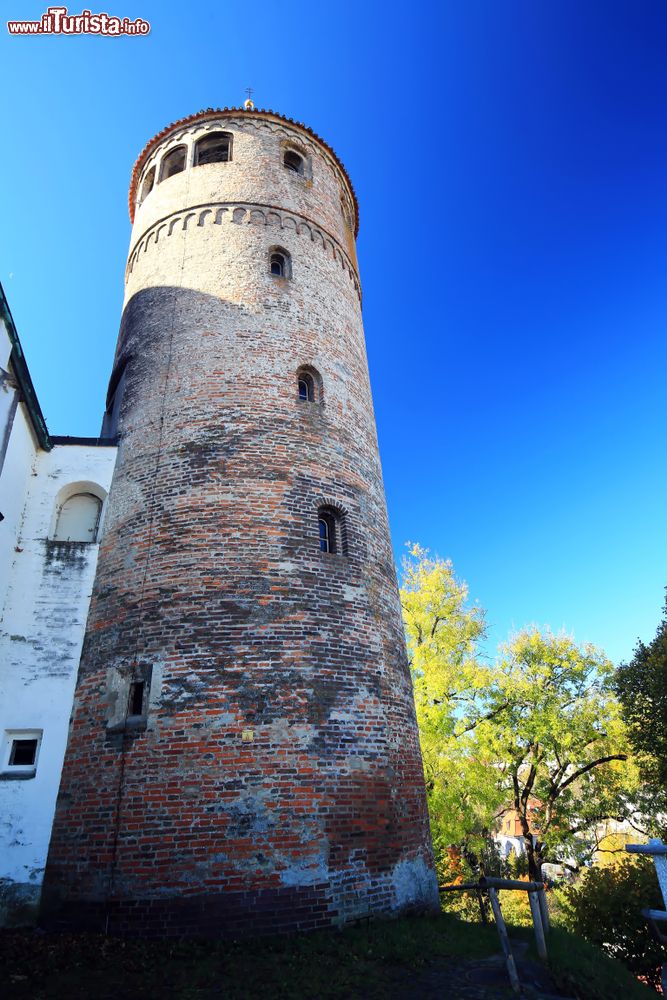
229, 112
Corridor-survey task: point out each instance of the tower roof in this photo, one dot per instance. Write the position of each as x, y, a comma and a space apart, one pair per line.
208, 113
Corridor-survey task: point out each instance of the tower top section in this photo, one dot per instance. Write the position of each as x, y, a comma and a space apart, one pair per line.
246, 112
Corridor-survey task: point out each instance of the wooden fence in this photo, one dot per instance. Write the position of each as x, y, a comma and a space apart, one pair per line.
538, 908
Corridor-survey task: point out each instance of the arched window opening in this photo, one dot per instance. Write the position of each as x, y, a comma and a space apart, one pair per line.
147, 186
309, 385
173, 162
293, 161
279, 263
114, 400
306, 388
331, 530
78, 519
327, 533
348, 215
215, 148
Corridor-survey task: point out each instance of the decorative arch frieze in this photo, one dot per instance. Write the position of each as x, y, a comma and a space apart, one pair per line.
245, 214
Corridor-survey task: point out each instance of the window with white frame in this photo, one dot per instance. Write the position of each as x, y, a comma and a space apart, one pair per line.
20, 752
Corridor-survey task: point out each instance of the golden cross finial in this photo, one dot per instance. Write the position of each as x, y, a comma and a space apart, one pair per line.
248, 104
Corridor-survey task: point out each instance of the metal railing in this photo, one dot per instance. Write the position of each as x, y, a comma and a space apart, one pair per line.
658, 851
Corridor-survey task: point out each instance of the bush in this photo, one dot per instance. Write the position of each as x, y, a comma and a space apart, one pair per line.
515, 865
454, 868
465, 864
605, 906
515, 907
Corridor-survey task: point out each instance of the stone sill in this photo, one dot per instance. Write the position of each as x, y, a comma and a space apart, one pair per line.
133, 724
17, 774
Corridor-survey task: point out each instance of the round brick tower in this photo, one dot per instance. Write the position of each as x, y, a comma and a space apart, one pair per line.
243, 752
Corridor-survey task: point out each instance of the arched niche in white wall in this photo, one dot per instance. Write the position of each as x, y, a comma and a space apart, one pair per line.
77, 516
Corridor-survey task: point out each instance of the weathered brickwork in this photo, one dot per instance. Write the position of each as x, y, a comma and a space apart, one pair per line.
273, 780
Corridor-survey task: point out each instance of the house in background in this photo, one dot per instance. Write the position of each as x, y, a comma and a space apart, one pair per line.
509, 833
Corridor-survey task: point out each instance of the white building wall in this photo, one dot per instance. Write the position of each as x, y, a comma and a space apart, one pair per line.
18, 451
507, 844
41, 635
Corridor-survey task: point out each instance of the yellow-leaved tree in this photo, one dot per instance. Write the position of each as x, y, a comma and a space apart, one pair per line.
537, 733
449, 676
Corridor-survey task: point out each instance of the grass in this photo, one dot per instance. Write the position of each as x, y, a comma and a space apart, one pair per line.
357, 962
579, 968
577, 965
377, 961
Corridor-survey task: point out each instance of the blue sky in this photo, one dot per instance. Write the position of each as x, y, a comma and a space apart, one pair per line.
510, 160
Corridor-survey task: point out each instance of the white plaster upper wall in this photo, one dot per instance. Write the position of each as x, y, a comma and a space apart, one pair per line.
48, 473
15, 470
40, 646
8, 395
5, 345
15, 476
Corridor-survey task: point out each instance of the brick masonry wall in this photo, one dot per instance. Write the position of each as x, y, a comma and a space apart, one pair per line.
277, 781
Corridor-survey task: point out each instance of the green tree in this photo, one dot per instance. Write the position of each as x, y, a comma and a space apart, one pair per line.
538, 732
553, 726
641, 686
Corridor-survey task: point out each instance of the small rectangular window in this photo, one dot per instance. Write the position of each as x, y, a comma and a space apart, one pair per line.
136, 701
20, 751
129, 699
23, 752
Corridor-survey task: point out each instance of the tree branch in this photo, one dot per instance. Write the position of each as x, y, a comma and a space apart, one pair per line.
485, 718
589, 767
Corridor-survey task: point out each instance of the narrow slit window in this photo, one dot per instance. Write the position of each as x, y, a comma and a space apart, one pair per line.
147, 186
23, 753
326, 535
114, 399
136, 700
216, 148
173, 162
348, 215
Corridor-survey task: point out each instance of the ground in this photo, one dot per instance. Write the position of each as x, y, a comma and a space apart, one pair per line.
416, 957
